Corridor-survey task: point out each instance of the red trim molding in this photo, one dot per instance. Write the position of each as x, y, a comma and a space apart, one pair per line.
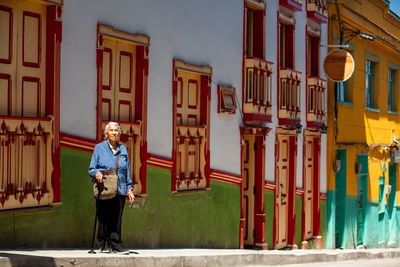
299, 192
269, 186
215, 175
291, 4
225, 177
257, 117
52, 104
255, 131
317, 17
159, 162
77, 143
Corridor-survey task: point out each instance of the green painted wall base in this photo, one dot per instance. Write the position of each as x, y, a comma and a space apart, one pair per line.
381, 228
269, 221
208, 219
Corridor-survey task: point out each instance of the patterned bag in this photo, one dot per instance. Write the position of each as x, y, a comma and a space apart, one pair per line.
109, 187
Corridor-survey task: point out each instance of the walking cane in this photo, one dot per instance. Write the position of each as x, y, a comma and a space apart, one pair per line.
100, 188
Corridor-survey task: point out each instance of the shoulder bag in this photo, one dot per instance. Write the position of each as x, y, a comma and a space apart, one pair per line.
109, 187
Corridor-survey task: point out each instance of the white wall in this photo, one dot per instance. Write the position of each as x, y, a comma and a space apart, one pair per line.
206, 32
324, 51
300, 65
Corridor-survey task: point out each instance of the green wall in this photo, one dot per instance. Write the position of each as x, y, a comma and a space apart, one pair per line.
269, 220
208, 219
269, 217
381, 229
299, 212
323, 222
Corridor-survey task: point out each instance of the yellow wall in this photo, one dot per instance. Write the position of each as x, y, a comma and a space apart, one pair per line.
357, 129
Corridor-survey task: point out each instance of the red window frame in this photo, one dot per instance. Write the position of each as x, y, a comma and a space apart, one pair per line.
205, 99
142, 43
223, 107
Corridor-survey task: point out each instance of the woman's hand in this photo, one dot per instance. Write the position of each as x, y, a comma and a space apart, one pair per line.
99, 177
131, 196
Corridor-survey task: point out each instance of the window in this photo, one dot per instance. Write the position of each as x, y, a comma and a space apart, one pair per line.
226, 99
371, 92
381, 194
122, 74
342, 91
289, 79
255, 32
28, 109
191, 105
313, 56
257, 106
392, 103
286, 48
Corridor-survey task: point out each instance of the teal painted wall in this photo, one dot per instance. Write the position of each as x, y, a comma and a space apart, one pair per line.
381, 229
350, 223
209, 219
330, 219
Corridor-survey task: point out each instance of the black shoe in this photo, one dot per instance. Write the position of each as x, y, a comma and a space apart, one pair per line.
105, 248
121, 250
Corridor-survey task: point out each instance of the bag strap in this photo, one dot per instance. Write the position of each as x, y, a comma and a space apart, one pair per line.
116, 169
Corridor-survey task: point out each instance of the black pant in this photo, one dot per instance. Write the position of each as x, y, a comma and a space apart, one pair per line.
109, 213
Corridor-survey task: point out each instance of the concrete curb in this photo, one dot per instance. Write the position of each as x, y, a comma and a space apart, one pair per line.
186, 257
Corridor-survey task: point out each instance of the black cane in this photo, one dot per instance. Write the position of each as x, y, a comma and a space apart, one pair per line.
100, 188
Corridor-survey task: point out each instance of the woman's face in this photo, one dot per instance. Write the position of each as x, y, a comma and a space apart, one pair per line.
113, 133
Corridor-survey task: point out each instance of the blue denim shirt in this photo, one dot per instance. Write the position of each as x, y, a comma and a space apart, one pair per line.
104, 159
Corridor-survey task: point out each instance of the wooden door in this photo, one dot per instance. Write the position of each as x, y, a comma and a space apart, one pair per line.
188, 98
362, 192
340, 197
308, 187
281, 191
118, 90
249, 184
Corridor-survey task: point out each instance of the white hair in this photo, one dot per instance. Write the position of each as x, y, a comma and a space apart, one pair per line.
111, 123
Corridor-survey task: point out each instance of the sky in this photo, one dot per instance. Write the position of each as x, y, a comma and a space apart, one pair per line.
395, 6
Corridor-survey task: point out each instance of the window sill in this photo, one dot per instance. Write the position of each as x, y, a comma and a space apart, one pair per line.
372, 109
345, 103
190, 192
393, 112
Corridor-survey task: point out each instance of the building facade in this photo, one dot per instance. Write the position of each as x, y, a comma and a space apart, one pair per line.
222, 106
363, 128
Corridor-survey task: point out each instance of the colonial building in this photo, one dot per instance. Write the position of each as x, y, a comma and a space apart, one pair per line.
363, 128
221, 105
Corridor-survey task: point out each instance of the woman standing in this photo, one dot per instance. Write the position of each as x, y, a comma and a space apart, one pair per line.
109, 212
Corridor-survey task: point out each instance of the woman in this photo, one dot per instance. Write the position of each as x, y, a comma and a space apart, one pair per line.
109, 211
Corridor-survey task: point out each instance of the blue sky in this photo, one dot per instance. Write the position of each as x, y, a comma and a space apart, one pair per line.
395, 6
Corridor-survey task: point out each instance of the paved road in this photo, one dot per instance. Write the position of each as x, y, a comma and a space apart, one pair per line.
395, 262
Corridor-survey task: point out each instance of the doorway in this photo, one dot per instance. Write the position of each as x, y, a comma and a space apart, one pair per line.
340, 196
253, 208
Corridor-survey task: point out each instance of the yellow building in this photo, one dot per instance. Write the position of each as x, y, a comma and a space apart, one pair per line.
364, 128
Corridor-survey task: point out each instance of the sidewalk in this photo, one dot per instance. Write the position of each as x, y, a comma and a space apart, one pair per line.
186, 257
